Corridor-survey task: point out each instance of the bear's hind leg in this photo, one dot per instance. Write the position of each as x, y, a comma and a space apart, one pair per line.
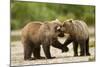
87, 47
82, 48
75, 48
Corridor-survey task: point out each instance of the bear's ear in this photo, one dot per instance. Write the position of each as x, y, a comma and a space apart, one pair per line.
71, 20
64, 23
57, 20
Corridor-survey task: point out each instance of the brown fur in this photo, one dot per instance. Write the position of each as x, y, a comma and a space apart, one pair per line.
35, 34
79, 34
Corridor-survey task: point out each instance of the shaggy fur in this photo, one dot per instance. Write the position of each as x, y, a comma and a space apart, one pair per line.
35, 34
79, 34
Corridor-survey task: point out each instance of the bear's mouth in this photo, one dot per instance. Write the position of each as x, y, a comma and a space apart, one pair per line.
61, 34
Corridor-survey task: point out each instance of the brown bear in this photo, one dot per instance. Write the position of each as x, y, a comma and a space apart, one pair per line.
35, 34
79, 35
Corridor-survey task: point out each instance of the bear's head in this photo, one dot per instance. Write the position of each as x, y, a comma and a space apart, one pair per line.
57, 27
67, 25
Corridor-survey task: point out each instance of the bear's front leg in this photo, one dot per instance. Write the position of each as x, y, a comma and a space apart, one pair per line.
58, 45
82, 48
87, 47
46, 49
36, 53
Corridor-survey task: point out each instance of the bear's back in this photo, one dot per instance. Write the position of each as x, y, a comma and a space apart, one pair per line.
30, 30
80, 29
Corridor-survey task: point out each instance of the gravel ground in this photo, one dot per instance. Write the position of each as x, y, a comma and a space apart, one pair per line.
17, 53
17, 56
